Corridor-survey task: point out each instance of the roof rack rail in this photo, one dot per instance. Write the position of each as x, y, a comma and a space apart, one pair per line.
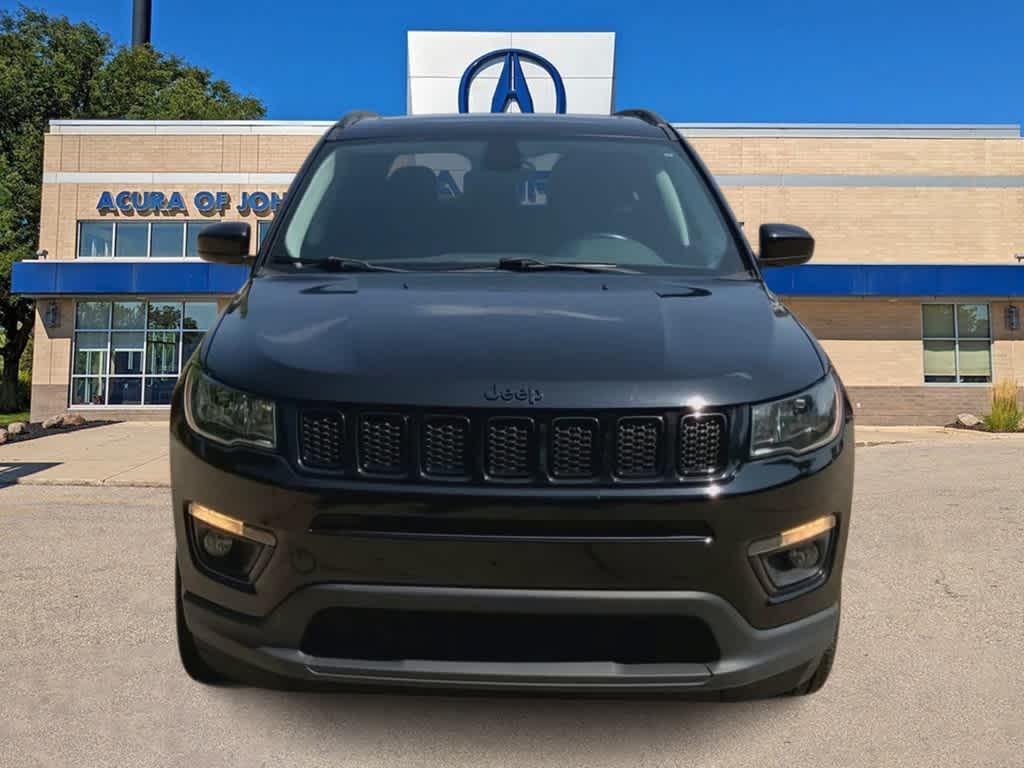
351, 118
646, 115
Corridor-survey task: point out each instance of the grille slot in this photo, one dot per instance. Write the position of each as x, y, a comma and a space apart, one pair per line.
575, 449
445, 447
510, 448
382, 444
322, 439
638, 447
701, 444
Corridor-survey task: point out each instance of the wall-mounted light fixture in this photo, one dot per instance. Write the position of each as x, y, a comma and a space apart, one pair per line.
51, 315
1012, 317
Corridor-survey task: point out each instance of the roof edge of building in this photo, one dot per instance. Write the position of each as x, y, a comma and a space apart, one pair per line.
695, 130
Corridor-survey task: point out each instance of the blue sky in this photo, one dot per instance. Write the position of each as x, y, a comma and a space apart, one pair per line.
902, 61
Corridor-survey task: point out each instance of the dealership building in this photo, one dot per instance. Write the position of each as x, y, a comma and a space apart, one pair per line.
914, 289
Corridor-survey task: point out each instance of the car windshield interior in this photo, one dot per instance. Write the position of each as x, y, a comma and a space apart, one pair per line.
638, 204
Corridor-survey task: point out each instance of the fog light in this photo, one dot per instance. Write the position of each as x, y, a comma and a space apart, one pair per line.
216, 544
226, 545
804, 556
795, 556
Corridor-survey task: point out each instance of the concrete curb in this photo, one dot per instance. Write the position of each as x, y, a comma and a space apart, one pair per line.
88, 483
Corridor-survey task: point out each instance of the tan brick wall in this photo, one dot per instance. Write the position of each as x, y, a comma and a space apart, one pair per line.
876, 347
892, 225
51, 360
152, 153
1007, 345
878, 342
726, 155
859, 319
890, 156
282, 154
70, 153
184, 154
916, 405
51, 152
878, 224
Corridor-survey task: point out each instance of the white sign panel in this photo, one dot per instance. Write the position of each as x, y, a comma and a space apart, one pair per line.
572, 72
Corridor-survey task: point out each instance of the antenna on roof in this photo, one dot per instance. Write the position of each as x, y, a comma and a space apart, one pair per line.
653, 118
351, 118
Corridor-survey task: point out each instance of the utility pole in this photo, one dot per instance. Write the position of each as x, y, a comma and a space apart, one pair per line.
142, 22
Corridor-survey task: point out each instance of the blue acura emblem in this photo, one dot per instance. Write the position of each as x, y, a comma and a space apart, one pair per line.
512, 85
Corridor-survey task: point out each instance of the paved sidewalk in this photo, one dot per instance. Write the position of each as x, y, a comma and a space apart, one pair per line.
134, 453
130, 453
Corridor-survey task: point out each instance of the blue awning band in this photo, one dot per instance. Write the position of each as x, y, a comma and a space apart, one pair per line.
153, 278
149, 278
898, 280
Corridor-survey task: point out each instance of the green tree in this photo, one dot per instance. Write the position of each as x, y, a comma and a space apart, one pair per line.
51, 68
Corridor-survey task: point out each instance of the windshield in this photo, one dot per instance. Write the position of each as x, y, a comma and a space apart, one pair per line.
461, 204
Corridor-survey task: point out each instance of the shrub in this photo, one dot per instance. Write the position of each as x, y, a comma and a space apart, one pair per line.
24, 390
1006, 412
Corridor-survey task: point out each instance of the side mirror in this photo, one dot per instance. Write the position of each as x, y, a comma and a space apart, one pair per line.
226, 242
783, 245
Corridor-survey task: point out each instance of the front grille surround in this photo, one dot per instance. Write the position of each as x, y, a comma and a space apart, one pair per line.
538, 448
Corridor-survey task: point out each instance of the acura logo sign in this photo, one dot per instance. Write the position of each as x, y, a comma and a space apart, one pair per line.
512, 86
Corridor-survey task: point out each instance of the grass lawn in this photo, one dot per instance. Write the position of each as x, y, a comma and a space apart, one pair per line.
9, 418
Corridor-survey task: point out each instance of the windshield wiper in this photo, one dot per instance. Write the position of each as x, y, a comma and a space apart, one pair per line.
339, 264
526, 264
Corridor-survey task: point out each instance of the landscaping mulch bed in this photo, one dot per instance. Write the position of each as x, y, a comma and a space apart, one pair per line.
36, 430
983, 427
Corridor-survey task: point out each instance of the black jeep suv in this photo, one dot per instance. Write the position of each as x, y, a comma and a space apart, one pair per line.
505, 403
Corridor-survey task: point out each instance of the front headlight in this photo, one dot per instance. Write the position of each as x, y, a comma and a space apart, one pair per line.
799, 423
226, 415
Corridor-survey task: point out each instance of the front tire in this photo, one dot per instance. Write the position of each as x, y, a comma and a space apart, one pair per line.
196, 667
817, 679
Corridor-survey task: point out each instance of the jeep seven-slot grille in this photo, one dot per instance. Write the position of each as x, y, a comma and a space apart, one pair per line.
541, 448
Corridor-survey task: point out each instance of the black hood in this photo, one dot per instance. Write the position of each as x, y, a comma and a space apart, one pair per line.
563, 340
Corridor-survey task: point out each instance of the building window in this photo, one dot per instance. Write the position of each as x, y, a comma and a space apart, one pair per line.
147, 239
139, 239
262, 227
957, 343
95, 239
131, 352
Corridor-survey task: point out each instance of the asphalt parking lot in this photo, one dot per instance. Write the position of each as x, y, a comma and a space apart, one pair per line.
930, 670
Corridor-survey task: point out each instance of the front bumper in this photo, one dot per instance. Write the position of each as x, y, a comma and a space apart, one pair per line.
710, 579
748, 655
